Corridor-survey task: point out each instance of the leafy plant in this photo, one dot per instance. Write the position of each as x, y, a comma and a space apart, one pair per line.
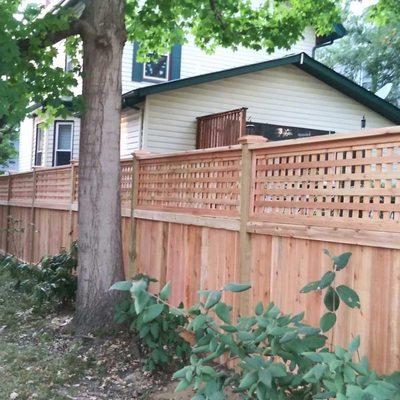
53, 280
156, 323
333, 295
276, 356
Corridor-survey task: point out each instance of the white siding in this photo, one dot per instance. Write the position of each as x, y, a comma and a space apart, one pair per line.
130, 131
26, 135
195, 61
285, 95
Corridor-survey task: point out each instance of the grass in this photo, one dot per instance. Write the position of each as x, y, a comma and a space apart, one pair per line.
33, 362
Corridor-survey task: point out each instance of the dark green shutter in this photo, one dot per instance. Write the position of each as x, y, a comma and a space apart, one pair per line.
176, 55
137, 68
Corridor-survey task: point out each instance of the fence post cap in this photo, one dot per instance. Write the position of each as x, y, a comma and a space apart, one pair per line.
74, 162
248, 139
140, 153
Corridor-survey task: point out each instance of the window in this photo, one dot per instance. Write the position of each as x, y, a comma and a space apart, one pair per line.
39, 148
167, 67
63, 142
157, 70
68, 63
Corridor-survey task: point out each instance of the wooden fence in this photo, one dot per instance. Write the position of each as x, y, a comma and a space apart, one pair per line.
254, 212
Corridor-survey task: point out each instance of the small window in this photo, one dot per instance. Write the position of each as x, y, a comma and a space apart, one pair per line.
68, 63
157, 70
63, 143
39, 145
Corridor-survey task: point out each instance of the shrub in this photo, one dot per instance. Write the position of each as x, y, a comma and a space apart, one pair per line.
53, 280
268, 355
154, 322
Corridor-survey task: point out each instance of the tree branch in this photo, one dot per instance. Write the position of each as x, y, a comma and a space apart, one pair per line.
76, 27
217, 13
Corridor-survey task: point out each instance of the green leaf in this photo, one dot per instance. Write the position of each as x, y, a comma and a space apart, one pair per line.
341, 261
326, 280
165, 292
138, 286
331, 299
327, 321
348, 296
198, 322
152, 312
213, 298
223, 312
237, 287
184, 384
325, 395
310, 287
264, 375
124, 286
248, 380
229, 328
259, 308
355, 344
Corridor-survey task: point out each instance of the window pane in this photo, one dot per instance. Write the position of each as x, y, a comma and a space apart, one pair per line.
64, 137
40, 139
157, 69
63, 157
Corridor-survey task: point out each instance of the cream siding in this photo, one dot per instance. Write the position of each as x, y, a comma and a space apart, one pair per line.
130, 131
285, 96
25, 144
195, 61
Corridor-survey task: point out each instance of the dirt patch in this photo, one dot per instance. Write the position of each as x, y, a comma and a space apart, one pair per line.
39, 360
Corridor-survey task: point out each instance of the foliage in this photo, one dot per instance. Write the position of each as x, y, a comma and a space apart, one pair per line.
277, 356
53, 280
333, 295
154, 321
267, 355
368, 54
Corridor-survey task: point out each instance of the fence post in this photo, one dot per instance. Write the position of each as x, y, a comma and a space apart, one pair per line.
134, 201
74, 165
31, 237
8, 216
246, 189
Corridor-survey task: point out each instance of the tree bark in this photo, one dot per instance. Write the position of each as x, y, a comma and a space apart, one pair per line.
99, 219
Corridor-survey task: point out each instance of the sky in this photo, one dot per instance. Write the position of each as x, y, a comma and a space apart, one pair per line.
357, 7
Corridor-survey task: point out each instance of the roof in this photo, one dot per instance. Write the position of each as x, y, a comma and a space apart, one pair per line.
301, 61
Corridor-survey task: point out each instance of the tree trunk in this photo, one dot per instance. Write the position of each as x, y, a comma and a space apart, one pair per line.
99, 220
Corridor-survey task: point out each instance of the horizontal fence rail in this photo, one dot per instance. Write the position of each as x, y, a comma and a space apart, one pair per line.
259, 212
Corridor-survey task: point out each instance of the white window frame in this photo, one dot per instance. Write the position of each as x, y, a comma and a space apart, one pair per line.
41, 152
153, 78
57, 129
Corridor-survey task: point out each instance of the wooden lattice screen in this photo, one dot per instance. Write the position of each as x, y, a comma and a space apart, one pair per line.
357, 183
207, 183
222, 129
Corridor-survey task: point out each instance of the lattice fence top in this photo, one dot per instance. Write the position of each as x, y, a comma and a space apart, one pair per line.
206, 183
53, 185
358, 183
4, 187
21, 187
126, 182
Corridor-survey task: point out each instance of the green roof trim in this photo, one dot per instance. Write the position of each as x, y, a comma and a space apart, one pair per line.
302, 61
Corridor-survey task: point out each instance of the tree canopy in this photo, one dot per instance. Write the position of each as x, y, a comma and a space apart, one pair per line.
368, 55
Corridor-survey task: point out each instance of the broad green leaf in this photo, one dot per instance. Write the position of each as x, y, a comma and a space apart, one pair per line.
124, 286
223, 312
165, 292
152, 312
326, 280
331, 299
237, 287
355, 344
310, 287
138, 286
341, 261
259, 308
248, 380
229, 328
264, 375
198, 322
348, 296
213, 298
325, 395
184, 384
327, 321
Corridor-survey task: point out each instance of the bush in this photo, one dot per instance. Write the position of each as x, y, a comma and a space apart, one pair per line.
53, 280
268, 355
154, 322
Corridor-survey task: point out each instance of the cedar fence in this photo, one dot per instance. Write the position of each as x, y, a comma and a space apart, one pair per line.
255, 212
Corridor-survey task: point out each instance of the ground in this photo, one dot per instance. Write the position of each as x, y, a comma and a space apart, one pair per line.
41, 360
